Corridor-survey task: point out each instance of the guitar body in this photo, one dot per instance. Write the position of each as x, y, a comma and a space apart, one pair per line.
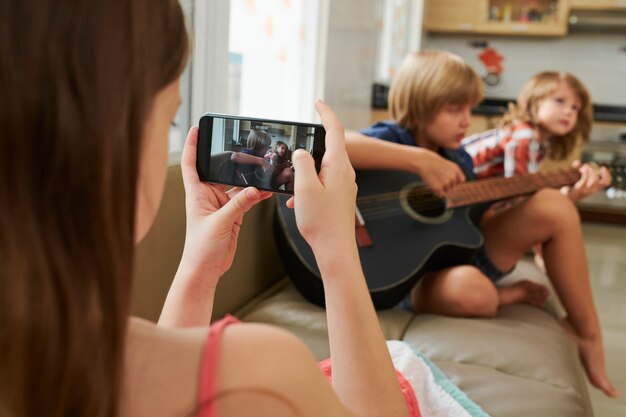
406, 242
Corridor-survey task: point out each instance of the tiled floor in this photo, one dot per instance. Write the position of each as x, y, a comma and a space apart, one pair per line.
606, 250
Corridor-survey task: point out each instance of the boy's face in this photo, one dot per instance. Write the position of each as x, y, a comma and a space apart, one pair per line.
448, 127
281, 150
558, 112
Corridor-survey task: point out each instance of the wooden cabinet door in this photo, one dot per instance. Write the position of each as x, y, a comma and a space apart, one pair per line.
598, 4
473, 16
452, 15
554, 24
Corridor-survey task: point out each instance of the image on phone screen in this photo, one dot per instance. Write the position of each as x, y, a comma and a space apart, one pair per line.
245, 151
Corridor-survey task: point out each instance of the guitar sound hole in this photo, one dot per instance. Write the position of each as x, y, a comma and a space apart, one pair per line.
425, 203
424, 206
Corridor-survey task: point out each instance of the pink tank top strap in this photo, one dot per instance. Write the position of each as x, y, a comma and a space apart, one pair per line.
208, 371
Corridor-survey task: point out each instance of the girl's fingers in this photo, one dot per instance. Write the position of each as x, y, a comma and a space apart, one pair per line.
305, 169
188, 159
335, 137
240, 202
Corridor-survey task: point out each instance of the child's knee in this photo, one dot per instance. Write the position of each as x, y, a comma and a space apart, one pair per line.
480, 304
479, 297
555, 207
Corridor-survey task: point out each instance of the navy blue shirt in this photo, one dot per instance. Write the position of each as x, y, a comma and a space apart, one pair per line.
391, 132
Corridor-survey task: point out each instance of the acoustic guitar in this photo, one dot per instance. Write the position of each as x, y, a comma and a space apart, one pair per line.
404, 230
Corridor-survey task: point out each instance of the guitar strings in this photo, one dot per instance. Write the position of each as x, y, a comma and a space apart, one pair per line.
483, 188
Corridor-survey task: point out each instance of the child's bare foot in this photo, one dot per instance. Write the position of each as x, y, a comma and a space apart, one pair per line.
592, 357
523, 292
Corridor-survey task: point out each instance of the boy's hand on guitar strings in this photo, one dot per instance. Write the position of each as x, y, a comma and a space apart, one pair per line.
438, 173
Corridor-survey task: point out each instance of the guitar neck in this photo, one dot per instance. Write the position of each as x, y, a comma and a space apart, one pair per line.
493, 189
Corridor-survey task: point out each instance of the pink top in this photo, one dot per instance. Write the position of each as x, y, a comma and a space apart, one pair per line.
407, 390
208, 377
208, 372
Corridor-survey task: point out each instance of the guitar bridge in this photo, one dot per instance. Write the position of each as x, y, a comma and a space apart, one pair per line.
363, 238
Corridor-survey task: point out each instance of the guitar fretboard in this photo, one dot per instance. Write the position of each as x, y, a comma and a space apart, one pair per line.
491, 189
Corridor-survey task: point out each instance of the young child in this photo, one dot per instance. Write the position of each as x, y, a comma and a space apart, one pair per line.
430, 102
552, 112
279, 158
278, 154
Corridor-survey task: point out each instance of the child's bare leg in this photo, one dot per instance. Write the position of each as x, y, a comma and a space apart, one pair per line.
285, 177
550, 219
464, 291
460, 291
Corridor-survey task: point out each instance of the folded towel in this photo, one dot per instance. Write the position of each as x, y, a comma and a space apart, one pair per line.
436, 395
427, 391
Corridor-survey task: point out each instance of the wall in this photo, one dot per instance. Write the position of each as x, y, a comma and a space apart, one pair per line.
351, 59
599, 60
367, 40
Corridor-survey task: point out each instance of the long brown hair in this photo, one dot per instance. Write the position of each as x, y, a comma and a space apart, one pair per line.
77, 81
538, 88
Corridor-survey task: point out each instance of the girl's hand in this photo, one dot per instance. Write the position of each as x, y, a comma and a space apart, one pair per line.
214, 217
592, 179
440, 174
325, 204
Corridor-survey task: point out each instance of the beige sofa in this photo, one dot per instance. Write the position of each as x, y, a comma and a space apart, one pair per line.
518, 364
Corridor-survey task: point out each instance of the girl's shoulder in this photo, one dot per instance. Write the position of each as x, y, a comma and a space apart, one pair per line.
164, 368
521, 130
160, 375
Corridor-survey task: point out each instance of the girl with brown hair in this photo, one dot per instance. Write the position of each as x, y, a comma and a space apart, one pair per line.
89, 89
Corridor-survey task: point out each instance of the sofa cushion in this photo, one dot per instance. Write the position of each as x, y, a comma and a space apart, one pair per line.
520, 363
286, 308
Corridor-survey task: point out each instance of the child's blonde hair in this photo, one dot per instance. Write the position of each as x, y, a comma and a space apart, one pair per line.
258, 140
538, 88
428, 80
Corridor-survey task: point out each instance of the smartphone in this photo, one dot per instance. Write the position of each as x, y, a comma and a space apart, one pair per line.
247, 151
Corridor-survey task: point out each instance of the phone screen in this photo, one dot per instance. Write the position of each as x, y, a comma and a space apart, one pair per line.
245, 151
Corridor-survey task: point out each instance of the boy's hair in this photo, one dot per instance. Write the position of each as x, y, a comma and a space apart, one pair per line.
538, 88
426, 82
258, 139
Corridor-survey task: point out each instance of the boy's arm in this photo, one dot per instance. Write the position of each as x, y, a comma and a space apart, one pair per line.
244, 158
437, 172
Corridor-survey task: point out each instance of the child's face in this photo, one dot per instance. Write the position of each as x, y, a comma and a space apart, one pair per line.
449, 126
558, 112
281, 150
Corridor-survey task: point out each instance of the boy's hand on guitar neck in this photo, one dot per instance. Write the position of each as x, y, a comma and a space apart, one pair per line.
440, 174
592, 179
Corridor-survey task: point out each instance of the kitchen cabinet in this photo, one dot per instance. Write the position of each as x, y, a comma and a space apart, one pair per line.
598, 4
497, 17
452, 15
